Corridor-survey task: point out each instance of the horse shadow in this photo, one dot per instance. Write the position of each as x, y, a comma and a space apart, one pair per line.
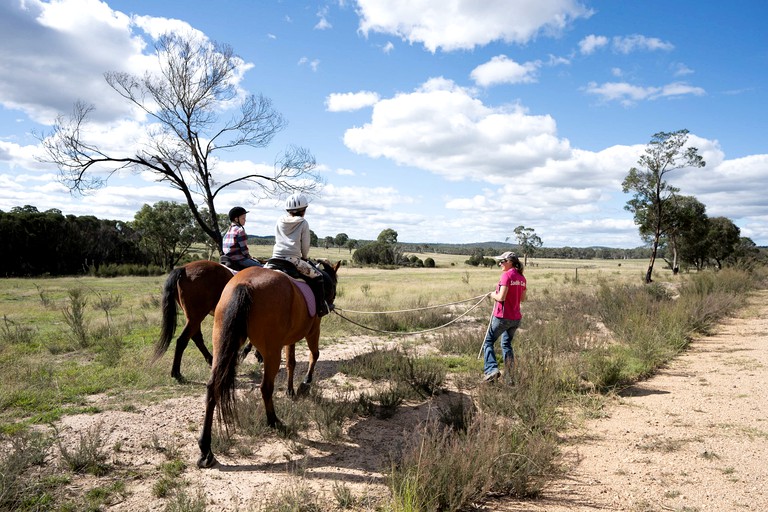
367, 449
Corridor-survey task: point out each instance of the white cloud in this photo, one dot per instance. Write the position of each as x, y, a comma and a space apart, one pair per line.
442, 128
503, 70
313, 64
349, 101
465, 24
591, 43
636, 42
680, 69
323, 23
623, 44
628, 94
387, 48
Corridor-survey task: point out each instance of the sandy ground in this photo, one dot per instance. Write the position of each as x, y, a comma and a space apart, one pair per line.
692, 438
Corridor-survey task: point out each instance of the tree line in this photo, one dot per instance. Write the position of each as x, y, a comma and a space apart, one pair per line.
35, 243
162, 235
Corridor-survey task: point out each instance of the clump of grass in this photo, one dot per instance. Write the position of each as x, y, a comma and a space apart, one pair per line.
110, 350
169, 479
462, 341
343, 495
150, 302
293, 498
107, 302
20, 484
383, 403
424, 376
252, 419
376, 365
183, 502
457, 414
88, 456
101, 496
43, 294
74, 316
442, 469
329, 414
13, 333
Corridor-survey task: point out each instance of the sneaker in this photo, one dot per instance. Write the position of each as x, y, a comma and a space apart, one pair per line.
489, 377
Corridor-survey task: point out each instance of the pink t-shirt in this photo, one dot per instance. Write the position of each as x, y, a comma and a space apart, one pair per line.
510, 308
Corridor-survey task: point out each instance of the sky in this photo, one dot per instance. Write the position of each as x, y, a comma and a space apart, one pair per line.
449, 121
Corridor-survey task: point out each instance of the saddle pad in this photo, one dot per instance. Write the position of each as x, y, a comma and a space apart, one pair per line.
309, 297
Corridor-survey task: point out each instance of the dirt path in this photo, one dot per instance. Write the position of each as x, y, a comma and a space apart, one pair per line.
692, 438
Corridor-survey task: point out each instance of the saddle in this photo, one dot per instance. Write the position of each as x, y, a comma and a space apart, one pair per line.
286, 267
316, 285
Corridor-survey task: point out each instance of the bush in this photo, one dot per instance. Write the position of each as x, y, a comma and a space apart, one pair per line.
375, 253
19, 483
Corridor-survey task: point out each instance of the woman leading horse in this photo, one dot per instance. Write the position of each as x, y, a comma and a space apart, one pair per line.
270, 310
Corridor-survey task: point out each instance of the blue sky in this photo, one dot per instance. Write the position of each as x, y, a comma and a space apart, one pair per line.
447, 121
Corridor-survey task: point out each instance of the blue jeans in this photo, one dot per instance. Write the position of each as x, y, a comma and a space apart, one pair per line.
249, 262
506, 329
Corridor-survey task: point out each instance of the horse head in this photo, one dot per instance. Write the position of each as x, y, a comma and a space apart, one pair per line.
330, 277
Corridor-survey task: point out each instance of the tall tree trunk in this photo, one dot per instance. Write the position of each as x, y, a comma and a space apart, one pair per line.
654, 251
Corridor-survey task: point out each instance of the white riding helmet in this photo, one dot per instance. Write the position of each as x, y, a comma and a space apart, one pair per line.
296, 202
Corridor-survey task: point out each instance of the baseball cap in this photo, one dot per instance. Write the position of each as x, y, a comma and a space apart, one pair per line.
507, 255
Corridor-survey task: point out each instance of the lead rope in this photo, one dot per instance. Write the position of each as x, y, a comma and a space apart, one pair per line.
482, 297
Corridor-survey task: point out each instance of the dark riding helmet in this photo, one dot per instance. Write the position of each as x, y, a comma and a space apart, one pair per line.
236, 212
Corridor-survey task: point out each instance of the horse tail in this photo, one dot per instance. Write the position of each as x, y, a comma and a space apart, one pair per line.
233, 329
168, 308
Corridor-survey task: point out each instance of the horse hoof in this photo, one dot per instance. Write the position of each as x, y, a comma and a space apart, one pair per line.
304, 389
207, 461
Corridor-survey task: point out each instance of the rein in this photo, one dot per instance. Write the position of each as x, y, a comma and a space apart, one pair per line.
481, 297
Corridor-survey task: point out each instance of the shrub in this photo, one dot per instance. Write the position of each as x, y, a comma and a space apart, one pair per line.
375, 253
12, 333
19, 483
89, 455
74, 316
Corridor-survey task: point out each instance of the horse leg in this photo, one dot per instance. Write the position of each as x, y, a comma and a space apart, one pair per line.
290, 366
181, 345
271, 367
313, 343
198, 339
207, 459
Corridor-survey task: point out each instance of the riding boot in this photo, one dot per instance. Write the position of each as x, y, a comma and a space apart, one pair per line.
318, 288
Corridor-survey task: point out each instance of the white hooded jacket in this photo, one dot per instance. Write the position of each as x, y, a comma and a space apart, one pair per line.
291, 237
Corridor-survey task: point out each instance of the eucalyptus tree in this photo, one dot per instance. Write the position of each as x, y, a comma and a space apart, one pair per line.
167, 232
666, 152
194, 112
528, 241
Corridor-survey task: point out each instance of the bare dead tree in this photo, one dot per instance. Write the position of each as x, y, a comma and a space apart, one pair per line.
196, 82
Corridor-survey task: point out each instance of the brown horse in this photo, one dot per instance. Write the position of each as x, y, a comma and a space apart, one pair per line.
196, 287
268, 308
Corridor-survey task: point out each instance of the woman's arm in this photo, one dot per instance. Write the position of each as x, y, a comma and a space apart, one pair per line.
500, 295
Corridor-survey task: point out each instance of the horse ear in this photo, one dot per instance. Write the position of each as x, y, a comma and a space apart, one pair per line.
336, 266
